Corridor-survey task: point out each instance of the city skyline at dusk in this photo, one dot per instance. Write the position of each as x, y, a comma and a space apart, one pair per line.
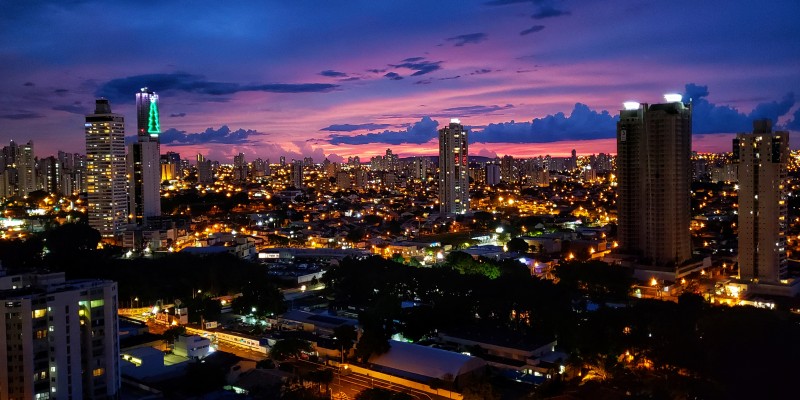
322, 80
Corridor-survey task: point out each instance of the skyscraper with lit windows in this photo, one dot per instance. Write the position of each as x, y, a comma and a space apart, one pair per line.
144, 161
453, 169
105, 170
762, 158
654, 143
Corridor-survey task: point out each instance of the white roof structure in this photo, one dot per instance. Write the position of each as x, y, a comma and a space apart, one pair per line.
422, 361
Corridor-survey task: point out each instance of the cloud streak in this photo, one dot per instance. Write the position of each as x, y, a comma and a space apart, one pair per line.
333, 74
418, 65
469, 38
466, 111
549, 12
533, 29
356, 127
120, 89
22, 114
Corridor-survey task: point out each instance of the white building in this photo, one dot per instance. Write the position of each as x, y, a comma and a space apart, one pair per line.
192, 346
58, 339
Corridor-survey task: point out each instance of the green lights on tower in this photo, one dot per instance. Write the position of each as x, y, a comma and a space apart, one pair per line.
153, 128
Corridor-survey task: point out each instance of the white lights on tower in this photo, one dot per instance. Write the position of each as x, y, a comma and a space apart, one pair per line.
631, 105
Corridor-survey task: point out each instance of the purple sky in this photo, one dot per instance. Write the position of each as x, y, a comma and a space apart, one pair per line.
339, 78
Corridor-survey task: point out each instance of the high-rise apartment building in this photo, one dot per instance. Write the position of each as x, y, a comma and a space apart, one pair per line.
58, 338
453, 169
26, 169
508, 170
144, 161
653, 175
49, 174
297, 174
239, 168
419, 168
105, 170
762, 157
205, 171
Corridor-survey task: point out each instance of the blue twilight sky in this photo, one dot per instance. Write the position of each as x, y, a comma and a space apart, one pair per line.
338, 78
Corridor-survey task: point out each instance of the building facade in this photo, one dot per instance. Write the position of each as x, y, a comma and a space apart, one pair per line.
105, 170
26, 168
297, 174
58, 339
762, 158
144, 161
453, 169
654, 175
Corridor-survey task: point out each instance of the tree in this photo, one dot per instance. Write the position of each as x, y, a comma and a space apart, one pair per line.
600, 281
374, 340
69, 244
262, 296
345, 336
517, 245
171, 334
289, 348
203, 308
480, 390
321, 377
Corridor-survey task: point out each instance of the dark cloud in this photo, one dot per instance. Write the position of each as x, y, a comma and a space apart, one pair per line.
533, 29
178, 115
350, 79
420, 67
421, 132
223, 135
376, 71
357, 127
711, 118
28, 84
413, 59
582, 123
333, 74
393, 76
469, 38
547, 11
426, 81
74, 108
449, 78
482, 71
121, 89
22, 114
475, 110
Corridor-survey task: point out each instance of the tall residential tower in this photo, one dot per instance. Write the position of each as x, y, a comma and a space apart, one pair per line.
653, 173
59, 339
762, 158
453, 169
105, 170
144, 159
